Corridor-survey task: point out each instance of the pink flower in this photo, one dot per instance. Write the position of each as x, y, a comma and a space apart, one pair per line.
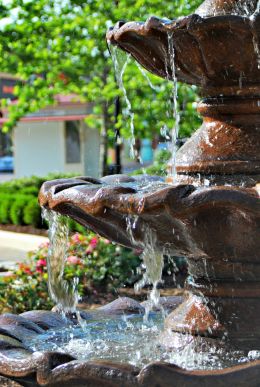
106, 241
41, 262
75, 238
44, 244
93, 242
73, 260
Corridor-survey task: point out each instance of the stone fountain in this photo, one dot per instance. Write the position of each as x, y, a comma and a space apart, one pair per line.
216, 226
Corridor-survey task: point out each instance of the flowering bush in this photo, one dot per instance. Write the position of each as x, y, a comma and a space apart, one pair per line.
94, 260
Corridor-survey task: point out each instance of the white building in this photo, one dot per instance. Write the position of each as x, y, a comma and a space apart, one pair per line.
56, 139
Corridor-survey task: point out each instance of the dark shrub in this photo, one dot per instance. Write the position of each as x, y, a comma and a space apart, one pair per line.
17, 209
5, 205
34, 191
18, 201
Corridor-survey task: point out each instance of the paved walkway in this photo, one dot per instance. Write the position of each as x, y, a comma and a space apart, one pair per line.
6, 177
14, 246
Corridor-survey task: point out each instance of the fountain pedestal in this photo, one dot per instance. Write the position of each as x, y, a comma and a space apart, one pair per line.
222, 41
225, 150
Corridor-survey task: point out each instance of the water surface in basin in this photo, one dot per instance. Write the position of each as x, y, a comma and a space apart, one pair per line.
130, 339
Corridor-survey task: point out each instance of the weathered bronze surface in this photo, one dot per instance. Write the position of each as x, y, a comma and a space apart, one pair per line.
216, 49
217, 228
237, 7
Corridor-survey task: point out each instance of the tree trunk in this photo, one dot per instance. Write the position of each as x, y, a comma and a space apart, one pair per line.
118, 166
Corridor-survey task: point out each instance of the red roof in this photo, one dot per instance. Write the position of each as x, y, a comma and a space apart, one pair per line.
75, 117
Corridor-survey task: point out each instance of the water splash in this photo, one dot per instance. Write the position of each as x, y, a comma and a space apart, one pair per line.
131, 340
120, 61
62, 292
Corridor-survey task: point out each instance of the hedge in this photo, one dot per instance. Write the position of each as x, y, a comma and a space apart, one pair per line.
19, 202
5, 206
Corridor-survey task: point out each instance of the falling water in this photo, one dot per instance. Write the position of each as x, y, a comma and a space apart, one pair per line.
120, 67
246, 8
153, 262
258, 7
145, 75
62, 292
257, 49
255, 40
176, 114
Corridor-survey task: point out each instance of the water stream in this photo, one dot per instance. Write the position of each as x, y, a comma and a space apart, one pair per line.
172, 173
63, 293
146, 76
255, 38
153, 263
120, 61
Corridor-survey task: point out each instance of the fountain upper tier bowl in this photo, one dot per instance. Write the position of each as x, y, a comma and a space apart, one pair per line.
210, 51
217, 48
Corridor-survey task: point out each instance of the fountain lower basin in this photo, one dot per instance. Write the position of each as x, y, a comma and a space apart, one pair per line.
114, 348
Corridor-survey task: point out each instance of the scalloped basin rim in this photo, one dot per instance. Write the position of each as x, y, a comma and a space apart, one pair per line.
186, 196
57, 367
207, 39
180, 23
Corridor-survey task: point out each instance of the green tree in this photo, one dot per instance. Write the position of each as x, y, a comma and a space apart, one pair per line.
59, 46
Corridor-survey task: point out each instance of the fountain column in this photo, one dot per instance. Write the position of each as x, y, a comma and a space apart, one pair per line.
222, 158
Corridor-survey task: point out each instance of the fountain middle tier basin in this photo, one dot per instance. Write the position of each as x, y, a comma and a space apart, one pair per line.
219, 223
216, 228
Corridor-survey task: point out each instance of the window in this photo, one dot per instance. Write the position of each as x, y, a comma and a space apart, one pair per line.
72, 139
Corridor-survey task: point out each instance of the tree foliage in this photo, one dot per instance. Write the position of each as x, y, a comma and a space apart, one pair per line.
59, 46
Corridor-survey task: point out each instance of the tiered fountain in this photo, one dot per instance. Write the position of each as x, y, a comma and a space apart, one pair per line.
216, 226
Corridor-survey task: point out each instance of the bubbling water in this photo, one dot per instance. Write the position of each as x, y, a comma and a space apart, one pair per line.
129, 339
